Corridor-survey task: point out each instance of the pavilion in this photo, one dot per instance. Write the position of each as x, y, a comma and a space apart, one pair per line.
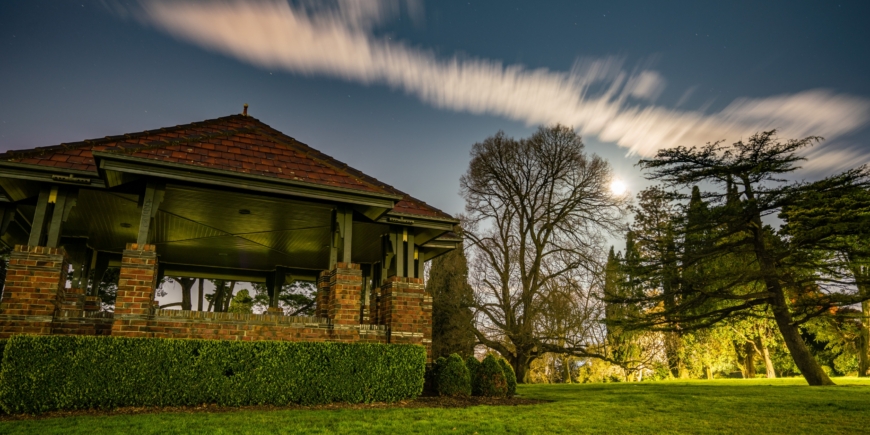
228, 198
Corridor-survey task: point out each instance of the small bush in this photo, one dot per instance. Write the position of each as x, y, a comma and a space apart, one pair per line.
473, 365
491, 380
453, 377
510, 376
43, 373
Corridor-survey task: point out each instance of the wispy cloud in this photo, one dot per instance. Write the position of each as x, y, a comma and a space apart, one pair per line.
597, 97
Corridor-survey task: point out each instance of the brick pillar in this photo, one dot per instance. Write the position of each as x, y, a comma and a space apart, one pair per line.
322, 300
375, 306
345, 291
35, 277
407, 311
135, 299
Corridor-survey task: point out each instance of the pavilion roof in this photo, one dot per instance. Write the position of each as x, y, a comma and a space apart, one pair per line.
236, 143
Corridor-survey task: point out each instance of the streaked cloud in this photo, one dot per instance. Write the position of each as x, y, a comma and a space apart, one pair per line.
597, 97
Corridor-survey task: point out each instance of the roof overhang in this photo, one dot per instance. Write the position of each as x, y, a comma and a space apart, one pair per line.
15, 178
116, 168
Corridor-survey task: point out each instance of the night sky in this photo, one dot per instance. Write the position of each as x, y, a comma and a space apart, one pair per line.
401, 90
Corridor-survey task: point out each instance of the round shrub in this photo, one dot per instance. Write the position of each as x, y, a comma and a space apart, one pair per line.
491, 380
510, 376
454, 378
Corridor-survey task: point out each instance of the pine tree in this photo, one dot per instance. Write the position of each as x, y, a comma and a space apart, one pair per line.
452, 319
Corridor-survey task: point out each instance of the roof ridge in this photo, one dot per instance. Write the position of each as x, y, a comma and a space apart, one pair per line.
14, 154
330, 161
180, 141
343, 167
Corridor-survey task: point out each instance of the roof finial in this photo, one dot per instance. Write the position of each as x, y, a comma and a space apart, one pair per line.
245, 112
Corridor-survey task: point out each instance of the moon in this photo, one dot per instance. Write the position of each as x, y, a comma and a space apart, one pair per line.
618, 187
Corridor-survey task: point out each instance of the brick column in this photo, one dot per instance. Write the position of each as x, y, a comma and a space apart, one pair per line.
135, 299
407, 311
35, 277
322, 301
345, 290
375, 306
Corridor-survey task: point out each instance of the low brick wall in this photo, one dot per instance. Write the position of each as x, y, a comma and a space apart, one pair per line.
247, 327
96, 323
36, 302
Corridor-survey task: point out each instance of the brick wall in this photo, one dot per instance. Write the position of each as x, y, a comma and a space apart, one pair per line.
85, 325
35, 279
136, 282
252, 327
36, 302
406, 310
345, 291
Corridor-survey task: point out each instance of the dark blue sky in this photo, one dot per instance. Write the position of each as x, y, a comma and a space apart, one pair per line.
427, 80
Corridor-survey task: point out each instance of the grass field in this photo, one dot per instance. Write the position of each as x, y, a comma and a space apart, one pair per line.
758, 406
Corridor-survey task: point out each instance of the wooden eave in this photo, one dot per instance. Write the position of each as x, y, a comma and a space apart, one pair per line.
48, 174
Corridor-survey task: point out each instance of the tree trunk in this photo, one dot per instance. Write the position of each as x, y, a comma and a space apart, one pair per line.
186, 285
673, 343
521, 370
800, 353
749, 360
864, 345
709, 371
222, 295
803, 359
228, 296
201, 294
739, 359
566, 370
217, 297
768, 363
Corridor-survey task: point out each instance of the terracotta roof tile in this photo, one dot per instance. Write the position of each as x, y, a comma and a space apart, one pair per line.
235, 143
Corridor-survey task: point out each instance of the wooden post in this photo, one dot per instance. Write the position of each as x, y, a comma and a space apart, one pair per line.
401, 238
270, 288
364, 293
347, 235
81, 267
280, 276
410, 269
8, 212
418, 257
150, 204
333, 241
64, 202
101, 263
36, 228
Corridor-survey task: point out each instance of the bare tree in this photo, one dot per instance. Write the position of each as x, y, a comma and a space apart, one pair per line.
186, 286
538, 210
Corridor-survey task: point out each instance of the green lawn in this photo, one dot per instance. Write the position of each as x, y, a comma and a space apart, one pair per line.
726, 406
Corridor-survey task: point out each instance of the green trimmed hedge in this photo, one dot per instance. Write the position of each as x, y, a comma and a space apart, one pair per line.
43, 373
